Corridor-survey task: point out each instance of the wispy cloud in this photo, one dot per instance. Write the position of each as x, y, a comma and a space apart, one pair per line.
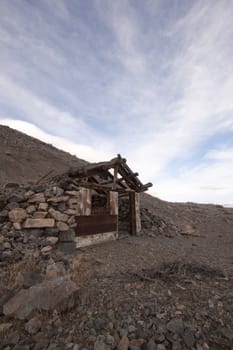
151, 80
221, 154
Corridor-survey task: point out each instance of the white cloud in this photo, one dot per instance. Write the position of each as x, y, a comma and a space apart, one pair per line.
202, 75
220, 154
32, 107
81, 151
207, 183
49, 117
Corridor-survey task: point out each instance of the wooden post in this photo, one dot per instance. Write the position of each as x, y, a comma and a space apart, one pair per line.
85, 201
115, 177
113, 205
137, 213
134, 208
113, 201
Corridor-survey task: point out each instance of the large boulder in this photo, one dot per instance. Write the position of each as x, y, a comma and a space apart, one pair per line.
53, 294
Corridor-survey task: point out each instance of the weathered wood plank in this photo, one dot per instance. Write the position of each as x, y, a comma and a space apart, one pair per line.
113, 203
137, 213
85, 201
115, 177
84, 241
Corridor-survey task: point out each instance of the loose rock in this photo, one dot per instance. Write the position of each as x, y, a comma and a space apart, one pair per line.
4, 327
176, 325
100, 345
37, 198
17, 215
62, 226
123, 344
46, 296
57, 215
33, 325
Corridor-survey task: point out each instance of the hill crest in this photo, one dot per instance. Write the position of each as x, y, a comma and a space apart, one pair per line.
26, 159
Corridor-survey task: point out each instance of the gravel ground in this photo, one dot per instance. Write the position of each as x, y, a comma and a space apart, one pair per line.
140, 293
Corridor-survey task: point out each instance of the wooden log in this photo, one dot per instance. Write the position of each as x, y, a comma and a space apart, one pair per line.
115, 177
130, 175
94, 168
96, 186
146, 186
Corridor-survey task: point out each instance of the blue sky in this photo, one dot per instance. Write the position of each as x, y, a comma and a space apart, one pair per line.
150, 79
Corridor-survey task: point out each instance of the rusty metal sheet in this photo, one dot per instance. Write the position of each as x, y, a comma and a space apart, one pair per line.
94, 224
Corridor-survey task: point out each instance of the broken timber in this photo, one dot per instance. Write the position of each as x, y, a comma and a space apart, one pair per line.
128, 181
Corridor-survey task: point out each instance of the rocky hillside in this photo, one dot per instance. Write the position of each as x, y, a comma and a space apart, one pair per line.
185, 218
168, 289
26, 159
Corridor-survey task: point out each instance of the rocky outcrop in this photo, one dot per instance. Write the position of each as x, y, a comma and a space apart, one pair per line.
48, 295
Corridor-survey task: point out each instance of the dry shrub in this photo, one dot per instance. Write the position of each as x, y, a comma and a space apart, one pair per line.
12, 274
178, 269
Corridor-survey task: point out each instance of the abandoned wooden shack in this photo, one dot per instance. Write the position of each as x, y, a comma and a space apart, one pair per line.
100, 187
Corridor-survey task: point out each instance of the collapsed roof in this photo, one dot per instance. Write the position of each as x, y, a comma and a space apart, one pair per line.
104, 176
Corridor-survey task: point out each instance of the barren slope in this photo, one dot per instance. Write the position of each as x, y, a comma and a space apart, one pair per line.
190, 218
24, 158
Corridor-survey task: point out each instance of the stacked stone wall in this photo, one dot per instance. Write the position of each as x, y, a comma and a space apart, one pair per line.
39, 219
39, 216
124, 219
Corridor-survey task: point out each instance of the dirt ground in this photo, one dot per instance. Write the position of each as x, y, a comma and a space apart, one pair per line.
133, 254
170, 288
159, 278
149, 292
